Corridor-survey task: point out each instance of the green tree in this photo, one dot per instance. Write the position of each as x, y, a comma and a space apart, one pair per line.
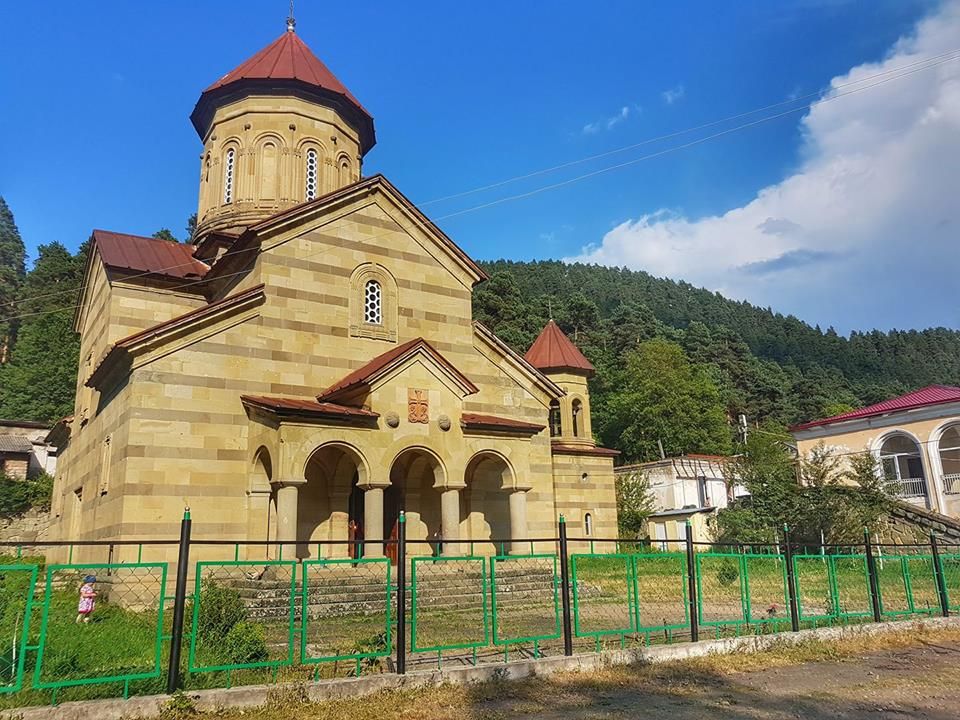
39, 381
635, 503
164, 234
12, 270
662, 397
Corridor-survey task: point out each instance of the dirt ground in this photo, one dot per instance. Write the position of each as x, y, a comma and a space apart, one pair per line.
888, 678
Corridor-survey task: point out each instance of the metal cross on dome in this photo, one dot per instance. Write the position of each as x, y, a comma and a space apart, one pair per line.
291, 20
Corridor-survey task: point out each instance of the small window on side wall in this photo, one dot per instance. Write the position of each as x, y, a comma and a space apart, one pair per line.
588, 524
577, 409
229, 164
312, 175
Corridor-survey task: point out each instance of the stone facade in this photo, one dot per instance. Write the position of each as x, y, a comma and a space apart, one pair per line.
325, 369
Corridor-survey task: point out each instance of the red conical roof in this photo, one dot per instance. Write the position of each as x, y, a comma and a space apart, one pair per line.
552, 350
286, 62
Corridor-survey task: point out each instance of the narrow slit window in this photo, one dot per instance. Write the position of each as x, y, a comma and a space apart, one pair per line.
577, 408
228, 168
373, 303
588, 524
311, 190
555, 429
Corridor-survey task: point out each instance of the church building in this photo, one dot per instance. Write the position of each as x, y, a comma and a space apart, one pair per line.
309, 366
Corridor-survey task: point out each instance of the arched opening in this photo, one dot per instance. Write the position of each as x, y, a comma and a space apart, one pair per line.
312, 175
262, 506
485, 511
330, 505
373, 303
576, 408
902, 466
949, 450
414, 478
269, 175
554, 421
588, 525
229, 173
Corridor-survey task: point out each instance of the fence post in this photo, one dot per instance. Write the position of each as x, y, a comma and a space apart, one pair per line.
402, 594
565, 589
872, 573
791, 580
692, 586
938, 574
179, 603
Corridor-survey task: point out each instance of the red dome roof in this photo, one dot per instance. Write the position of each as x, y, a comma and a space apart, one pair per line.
552, 350
287, 62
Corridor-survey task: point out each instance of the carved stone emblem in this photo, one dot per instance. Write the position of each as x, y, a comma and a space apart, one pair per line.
417, 408
393, 420
444, 422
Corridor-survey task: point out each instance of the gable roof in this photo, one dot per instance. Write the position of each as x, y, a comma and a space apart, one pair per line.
552, 350
286, 63
924, 397
368, 373
121, 251
236, 257
123, 349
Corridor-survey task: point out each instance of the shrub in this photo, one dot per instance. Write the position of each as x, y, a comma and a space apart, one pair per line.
18, 496
245, 643
728, 573
221, 608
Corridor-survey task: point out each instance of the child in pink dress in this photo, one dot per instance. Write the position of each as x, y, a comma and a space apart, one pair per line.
87, 594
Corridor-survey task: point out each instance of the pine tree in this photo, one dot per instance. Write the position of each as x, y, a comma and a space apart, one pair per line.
12, 269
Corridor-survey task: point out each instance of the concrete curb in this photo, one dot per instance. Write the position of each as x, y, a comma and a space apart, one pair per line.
255, 695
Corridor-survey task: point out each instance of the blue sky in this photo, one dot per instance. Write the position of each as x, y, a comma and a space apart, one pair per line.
95, 129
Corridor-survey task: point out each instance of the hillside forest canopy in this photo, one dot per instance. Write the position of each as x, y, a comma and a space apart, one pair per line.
676, 365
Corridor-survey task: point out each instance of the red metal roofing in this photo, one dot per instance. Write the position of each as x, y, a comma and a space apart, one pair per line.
364, 374
148, 255
552, 350
287, 58
284, 405
559, 449
479, 421
930, 395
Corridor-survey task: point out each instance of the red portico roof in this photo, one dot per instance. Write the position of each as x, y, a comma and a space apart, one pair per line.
924, 397
552, 350
286, 63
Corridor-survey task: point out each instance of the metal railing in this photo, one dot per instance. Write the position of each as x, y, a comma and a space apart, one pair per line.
911, 487
951, 483
213, 613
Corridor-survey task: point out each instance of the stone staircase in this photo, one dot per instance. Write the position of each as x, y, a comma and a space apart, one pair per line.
349, 591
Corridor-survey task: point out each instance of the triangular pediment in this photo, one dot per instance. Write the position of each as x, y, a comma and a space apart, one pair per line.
393, 364
325, 212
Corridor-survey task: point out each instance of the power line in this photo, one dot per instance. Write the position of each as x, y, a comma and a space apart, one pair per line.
923, 65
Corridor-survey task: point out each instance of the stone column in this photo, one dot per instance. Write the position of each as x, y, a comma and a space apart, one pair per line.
258, 524
450, 520
373, 522
287, 519
518, 521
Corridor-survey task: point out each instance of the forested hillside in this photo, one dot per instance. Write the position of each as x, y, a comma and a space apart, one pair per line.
771, 367
675, 363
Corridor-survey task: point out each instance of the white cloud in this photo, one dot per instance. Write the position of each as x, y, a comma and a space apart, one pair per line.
610, 123
865, 233
674, 94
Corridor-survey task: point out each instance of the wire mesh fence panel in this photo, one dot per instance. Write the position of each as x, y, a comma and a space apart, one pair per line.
524, 598
662, 601
603, 594
921, 572
950, 566
17, 582
101, 623
851, 583
766, 584
814, 579
243, 615
448, 604
893, 585
721, 588
346, 610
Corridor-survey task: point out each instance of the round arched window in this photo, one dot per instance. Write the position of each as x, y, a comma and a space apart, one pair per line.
311, 175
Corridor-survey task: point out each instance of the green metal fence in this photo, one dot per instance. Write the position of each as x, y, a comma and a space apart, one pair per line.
251, 621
